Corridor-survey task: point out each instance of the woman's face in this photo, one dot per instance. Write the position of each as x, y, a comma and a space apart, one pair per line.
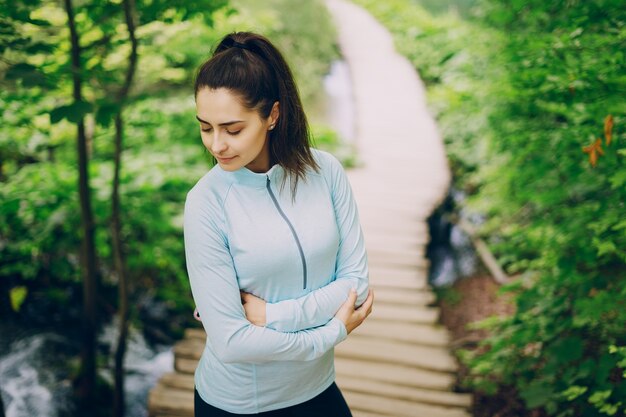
234, 134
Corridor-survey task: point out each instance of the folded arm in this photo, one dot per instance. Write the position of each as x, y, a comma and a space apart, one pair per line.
216, 294
319, 306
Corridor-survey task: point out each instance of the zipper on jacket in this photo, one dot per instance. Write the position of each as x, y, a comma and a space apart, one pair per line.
293, 231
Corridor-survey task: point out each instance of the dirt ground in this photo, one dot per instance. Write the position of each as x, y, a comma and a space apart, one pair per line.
468, 300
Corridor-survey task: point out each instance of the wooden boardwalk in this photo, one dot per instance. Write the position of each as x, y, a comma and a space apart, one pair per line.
398, 362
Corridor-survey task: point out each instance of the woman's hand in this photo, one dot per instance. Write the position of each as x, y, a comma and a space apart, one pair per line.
255, 308
351, 317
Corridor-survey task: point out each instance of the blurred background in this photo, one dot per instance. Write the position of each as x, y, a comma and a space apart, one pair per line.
99, 146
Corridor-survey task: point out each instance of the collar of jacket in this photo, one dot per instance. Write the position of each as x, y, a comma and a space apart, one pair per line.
246, 177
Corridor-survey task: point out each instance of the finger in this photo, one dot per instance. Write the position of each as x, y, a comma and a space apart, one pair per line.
196, 314
366, 307
368, 301
352, 297
371, 306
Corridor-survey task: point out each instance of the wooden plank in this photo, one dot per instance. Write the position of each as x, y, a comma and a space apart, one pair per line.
402, 278
385, 389
385, 207
425, 357
167, 415
405, 314
185, 365
178, 381
365, 414
400, 296
419, 334
391, 242
399, 408
372, 221
195, 333
410, 274
189, 349
170, 401
390, 257
399, 374
394, 250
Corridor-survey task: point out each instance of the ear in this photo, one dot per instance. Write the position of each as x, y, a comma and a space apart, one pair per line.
275, 113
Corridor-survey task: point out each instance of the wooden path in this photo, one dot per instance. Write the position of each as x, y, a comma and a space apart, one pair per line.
398, 362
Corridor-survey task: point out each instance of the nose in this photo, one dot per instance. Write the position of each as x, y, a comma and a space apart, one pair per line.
218, 144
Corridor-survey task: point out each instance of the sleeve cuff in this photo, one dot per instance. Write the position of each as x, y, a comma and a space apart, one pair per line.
343, 332
272, 317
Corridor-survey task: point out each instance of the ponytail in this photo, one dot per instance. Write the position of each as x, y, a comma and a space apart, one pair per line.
249, 65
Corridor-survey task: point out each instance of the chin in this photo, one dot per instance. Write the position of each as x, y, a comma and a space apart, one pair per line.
229, 167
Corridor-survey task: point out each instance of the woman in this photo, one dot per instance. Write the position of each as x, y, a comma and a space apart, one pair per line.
274, 248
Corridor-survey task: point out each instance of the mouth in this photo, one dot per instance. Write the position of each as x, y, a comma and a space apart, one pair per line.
224, 160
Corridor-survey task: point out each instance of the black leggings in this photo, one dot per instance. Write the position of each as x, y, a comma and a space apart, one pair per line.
328, 403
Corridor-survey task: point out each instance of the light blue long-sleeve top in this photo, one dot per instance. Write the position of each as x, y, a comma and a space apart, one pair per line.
243, 231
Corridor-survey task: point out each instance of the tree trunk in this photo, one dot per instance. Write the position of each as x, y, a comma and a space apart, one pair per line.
118, 253
86, 380
120, 268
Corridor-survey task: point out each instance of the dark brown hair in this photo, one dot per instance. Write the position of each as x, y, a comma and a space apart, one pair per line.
250, 66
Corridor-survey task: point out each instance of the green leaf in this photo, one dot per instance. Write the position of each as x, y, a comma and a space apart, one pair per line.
537, 394
106, 112
17, 295
39, 22
599, 397
29, 74
73, 112
568, 349
618, 179
574, 392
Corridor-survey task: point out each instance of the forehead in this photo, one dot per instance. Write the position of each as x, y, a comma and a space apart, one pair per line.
221, 105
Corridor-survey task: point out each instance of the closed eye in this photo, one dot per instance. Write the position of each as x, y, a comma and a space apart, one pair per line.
227, 131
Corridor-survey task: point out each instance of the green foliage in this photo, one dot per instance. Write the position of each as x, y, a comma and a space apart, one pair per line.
38, 224
520, 90
327, 139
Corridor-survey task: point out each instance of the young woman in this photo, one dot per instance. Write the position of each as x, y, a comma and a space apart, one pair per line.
273, 244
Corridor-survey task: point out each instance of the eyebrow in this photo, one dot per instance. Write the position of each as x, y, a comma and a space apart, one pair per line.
221, 124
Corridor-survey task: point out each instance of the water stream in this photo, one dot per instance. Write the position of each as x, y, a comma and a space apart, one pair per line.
30, 376
450, 249
35, 370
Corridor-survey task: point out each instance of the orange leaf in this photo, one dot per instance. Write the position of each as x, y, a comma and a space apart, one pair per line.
608, 128
593, 150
